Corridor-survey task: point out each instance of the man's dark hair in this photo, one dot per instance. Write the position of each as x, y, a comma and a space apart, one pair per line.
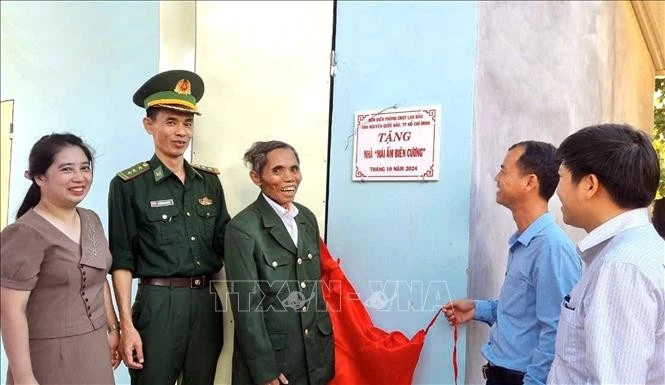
622, 158
539, 158
257, 155
152, 112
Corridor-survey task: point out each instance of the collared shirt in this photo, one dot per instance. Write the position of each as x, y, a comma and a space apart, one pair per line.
287, 217
543, 266
612, 328
160, 227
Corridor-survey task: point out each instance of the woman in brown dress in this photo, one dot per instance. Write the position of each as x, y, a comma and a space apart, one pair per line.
58, 322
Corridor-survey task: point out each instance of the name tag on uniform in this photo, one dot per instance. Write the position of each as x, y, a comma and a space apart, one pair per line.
162, 203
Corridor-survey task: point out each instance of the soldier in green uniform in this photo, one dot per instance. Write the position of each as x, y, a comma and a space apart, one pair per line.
166, 228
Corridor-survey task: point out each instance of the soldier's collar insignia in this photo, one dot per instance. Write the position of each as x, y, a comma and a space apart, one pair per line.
184, 87
205, 201
158, 173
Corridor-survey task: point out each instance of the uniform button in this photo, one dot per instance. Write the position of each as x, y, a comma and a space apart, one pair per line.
309, 255
193, 238
197, 282
198, 263
82, 293
300, 261
164, 216
86, 300
302, 284
88, 307
83, 272
274, 263
89, 315
84, 279
304, 309
188, 214
306, 332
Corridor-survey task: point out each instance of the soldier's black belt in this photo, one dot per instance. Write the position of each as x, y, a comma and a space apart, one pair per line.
191, 282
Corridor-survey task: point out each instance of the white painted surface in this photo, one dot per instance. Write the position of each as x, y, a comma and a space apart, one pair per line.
177, 40
266, 70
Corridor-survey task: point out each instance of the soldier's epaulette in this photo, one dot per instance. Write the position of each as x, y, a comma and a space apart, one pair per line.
211, 170
134, 171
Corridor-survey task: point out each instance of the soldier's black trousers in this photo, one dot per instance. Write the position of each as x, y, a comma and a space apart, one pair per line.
181, 331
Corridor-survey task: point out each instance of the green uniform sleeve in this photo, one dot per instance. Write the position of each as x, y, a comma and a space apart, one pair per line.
122, 225
245, 300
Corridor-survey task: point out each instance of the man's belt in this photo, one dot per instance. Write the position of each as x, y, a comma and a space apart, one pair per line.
191, 282
500, 375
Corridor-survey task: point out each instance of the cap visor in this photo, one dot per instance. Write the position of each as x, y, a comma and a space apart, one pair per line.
176, 108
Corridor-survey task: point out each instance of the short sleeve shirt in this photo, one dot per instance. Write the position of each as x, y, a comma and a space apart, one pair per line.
161, 227
66, 278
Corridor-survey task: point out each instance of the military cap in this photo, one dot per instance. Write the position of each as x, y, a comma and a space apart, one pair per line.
178, 90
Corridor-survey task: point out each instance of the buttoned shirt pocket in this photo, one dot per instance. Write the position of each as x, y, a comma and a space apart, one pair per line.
207, 214
165, 224
277, 267
312, 262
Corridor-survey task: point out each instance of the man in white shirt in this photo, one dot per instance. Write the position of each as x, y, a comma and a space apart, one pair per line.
612, 325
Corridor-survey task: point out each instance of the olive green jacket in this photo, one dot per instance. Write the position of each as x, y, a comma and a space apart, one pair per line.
281, 320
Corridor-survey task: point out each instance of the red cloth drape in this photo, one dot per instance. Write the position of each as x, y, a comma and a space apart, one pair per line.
364, 354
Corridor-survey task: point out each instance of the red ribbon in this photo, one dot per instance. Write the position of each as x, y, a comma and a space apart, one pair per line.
455, 367
429, 325
365, 354
455, 352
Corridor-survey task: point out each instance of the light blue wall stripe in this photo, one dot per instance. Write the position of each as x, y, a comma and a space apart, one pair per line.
409, 54
73, 66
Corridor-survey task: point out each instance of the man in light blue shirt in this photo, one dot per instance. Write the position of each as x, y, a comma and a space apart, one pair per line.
543, 266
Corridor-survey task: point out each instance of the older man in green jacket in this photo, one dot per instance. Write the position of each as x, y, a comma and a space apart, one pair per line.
283, 332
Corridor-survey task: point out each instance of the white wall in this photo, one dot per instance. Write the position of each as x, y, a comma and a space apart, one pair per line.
6, 118
177, 39
266, 68
266, 71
